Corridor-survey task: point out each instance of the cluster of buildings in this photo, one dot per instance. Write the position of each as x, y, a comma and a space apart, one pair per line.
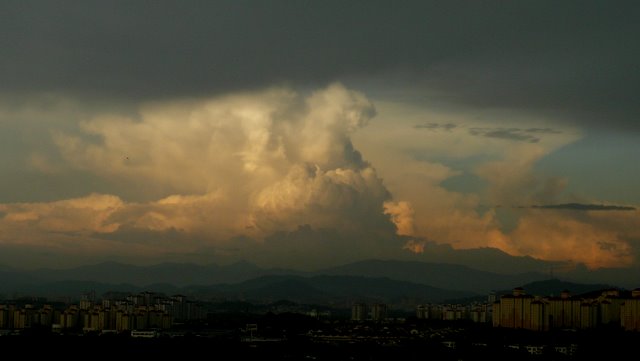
608, 308
520, 310
146, 310
453, 312
364, 312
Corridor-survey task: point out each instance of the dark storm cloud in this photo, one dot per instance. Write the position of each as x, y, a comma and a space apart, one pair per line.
505, 133
436, 126
542, 131
531, 135
168, 48
578, 58
585, 207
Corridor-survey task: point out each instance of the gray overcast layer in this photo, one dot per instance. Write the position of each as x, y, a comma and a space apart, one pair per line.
579, 58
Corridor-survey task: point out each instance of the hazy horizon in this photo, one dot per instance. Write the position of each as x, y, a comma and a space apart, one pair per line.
310, 134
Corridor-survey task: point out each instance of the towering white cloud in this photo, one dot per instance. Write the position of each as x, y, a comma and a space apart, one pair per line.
242, 165
274, 176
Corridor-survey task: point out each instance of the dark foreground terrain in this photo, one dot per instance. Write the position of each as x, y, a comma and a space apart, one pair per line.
364, 342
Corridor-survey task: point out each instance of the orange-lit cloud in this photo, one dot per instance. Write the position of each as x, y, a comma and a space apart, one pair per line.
415, 176
415, 246
84, 215
402, 215
242, 165
232, 171
595, 238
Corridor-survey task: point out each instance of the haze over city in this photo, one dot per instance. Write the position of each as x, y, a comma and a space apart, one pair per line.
311, 134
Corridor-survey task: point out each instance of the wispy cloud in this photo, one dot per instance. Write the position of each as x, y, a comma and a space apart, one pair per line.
543, 131
531, 135
505, 133
436, 126
585, 207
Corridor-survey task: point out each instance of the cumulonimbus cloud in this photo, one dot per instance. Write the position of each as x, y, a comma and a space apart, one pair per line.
247, 164
253, 173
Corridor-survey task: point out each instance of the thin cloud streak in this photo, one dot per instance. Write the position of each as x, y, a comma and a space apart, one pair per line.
436, 126
531, 135
584, 207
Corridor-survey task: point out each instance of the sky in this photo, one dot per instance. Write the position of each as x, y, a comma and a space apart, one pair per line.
308, 134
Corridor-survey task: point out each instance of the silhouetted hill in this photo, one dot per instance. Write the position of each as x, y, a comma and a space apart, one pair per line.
441, 275
548, 288
484, 259
622, 277
293, 289
12, 281
327, 289
57, 289
170, 277
553, 287
384, 289
497, 261
177, 274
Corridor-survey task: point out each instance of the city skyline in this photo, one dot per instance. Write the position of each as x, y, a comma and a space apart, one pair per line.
313, 134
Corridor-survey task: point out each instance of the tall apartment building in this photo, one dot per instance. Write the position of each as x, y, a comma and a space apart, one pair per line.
537, 320
589, 314
69, 318
451, 312
429, 311
630, 312
519, 310
378, 311
514, 310
611, 303
123, 321
564, 311
479, 313
358, 312
5, 312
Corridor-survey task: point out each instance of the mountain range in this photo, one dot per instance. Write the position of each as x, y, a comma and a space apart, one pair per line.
390, 281
441, 275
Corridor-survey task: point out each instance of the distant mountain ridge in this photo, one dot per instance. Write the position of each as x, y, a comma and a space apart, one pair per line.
339, 291
174, 277
450, 276
554, 287
328, 289
439, 275
177, 274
